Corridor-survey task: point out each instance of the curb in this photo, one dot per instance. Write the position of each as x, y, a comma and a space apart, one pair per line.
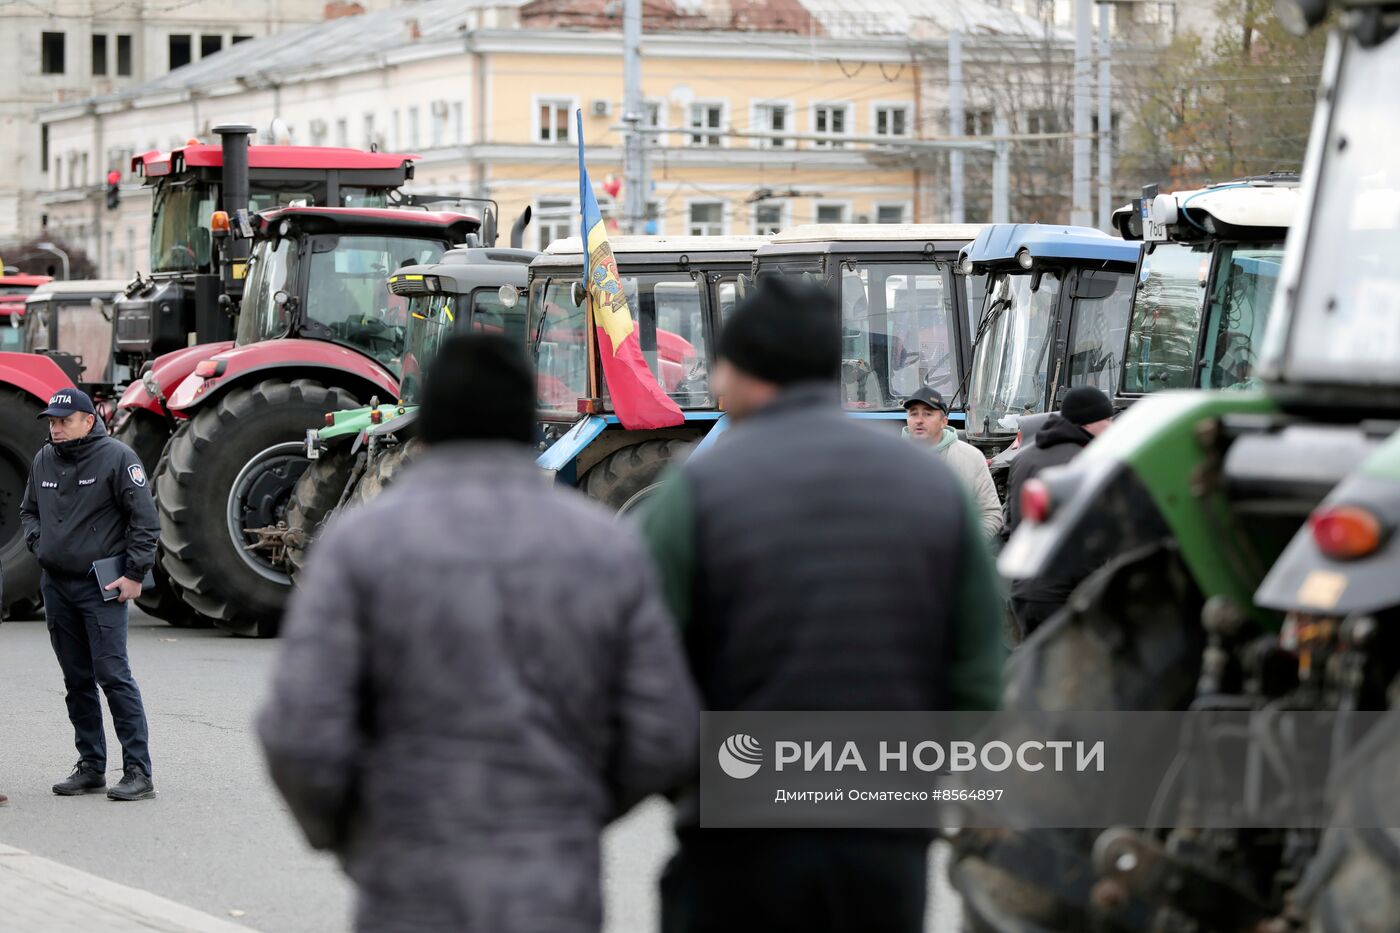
139, 907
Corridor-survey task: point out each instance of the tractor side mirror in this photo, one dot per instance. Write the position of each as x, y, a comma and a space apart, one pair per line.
578, 294
741, 285
286, 307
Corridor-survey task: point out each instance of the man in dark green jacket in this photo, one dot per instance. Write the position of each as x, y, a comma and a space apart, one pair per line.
815, 563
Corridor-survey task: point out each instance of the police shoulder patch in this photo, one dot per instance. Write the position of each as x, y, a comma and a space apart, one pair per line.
138, 475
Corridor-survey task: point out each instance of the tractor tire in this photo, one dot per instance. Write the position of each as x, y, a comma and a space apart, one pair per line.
21, 436
314, 498
165, 600
380, 473
230, 468
627, 477
147, 434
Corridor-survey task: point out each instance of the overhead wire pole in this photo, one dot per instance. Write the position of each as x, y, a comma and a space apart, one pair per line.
1080, 212
1105, 120
634, 156
956, 213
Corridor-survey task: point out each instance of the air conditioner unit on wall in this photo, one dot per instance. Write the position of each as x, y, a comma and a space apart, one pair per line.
601, 108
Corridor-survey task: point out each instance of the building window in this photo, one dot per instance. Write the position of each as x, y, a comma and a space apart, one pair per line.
459, 126
889, 213
831, 120
124, 56
832, 213
706, 117
370, 139
413, 127
99, 53
654, 110
706, 218
767, 219
237, 39
772, 118
53, 53
342, 133
977, 123
44, 144
179, 51
395, 140
210, 45
554, 121
556, 219
892, 120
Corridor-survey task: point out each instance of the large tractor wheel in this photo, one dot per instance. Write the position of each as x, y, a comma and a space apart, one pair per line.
147, 434
626, 478
380, 472
314, 497
165, 601
231, 470
21, 436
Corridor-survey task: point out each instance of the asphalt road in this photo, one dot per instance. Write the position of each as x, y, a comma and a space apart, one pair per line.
217, 837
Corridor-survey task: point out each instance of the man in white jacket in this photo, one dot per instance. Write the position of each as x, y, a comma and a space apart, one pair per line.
927, 423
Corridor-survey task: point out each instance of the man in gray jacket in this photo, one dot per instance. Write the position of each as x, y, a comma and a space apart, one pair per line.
927, 423
477, 674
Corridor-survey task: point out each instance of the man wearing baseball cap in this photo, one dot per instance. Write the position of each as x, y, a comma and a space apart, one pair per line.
927, 423
88, 500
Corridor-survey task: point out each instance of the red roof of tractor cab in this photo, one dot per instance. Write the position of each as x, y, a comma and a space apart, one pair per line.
24, 280
155, 163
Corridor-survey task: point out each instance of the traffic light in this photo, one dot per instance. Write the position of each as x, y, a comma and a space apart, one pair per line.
114, 189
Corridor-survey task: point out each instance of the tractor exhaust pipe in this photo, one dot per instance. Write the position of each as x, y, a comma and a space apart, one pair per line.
517, 229
235, 172
213, 319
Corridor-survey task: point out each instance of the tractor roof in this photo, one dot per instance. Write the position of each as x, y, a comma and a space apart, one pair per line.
89, 287
23, 280
371, 220
822, 233
155, 163
1269, 204
462, 270
1002, 243
572, 246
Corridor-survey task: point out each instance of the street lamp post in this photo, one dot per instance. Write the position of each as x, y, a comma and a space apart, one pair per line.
50, 248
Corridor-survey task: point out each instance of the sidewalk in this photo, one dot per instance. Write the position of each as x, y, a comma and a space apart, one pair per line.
40, 896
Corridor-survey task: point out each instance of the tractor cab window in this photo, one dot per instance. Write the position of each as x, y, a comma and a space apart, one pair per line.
670, 320
363, 197
898, 332
1010, 364
1245, 278
491, 316
557, 334
1102, 303
181, 240
269, 272
11, 338
1161, 351
430, 320
347, 291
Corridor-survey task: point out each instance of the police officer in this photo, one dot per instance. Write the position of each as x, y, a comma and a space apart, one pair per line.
87, 500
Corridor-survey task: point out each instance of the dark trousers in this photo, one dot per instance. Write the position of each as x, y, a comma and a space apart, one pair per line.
89, 638
804, 881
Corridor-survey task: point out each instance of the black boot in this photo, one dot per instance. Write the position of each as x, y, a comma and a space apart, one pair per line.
84, 779
135, 785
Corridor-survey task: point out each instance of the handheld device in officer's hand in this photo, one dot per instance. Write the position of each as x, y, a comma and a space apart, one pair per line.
111, 569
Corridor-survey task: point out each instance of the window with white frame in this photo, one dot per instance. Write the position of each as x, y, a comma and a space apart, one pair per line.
706, 218
768, 218
770, 117
395, 140
891, 213
831, 120
977, 123
553, 117
369, 131
439, 122
892, 120
413, 128
555, 219
654, 112
832, 213
706, 116
342, 133
459, 128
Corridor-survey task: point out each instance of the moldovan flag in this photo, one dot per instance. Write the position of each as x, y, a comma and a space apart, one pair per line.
637, 397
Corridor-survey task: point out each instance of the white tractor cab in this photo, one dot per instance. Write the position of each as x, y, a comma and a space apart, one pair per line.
71, 323
1210, 264
679, 290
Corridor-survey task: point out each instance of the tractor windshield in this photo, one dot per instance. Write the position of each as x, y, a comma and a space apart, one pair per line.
180, 236
1245, 277
1161, 350
670, 316
898, 324
347, 292
1010, 361
430, 320
1346, 314
558, 339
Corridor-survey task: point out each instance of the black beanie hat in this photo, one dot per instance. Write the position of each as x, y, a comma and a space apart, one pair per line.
479, 388
784, 331
1085, 405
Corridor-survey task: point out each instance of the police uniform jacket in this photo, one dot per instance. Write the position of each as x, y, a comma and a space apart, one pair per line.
87, 500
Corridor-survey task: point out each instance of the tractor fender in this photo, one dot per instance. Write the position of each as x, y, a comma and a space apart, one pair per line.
290, 358
33, 373
566, 450
169, 370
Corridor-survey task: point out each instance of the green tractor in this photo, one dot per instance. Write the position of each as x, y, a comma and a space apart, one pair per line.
359, 450
1237, 552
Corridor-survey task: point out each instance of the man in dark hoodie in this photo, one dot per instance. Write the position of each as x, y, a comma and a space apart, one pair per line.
1085, 413
87, 500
